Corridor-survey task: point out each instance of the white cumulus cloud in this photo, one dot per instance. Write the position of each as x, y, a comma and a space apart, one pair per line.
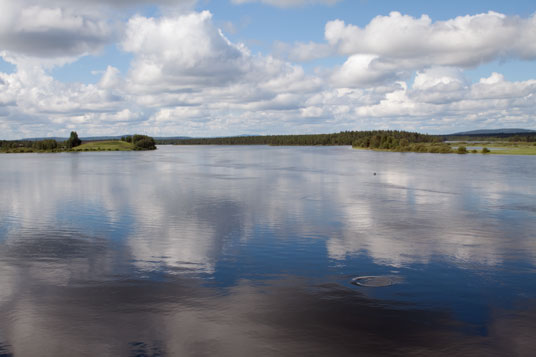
181, 51
464, 41
49, 32
187, 78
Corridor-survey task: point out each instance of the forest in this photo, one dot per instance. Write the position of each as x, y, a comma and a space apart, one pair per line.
46, 145
140, 142
387, 139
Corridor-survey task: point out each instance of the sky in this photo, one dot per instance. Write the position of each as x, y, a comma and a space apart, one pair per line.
234, 67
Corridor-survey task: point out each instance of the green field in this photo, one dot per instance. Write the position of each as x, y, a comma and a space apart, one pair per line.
513, 148
105, 146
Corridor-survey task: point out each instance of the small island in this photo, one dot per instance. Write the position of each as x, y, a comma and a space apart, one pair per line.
75, 144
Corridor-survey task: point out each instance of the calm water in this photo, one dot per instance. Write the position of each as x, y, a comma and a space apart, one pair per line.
243, 251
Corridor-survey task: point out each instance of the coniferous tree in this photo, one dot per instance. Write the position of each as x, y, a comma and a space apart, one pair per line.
73, 140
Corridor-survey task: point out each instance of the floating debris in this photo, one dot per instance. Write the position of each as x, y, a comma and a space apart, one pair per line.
376, 281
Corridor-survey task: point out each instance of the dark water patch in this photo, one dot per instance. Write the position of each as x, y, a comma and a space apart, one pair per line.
61, 245
519, 207
142, 349
5, 350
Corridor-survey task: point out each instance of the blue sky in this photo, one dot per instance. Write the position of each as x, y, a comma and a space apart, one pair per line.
210, 68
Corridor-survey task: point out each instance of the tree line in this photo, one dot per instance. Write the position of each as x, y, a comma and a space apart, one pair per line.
372, 139
49, 145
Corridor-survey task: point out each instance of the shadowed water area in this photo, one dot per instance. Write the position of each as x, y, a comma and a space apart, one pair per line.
256, 250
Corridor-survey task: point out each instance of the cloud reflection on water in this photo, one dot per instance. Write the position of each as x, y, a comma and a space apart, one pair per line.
181, 208
104, 250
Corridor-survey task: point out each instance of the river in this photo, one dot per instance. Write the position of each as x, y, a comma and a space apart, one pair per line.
253, 250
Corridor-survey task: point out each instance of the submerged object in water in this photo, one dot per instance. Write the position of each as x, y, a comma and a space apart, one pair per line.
376, 281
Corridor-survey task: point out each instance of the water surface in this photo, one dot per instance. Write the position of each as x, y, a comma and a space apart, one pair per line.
215, 250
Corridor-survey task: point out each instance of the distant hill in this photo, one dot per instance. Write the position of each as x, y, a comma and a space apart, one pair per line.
45, 138
508, 131
171, 137
104, 138
92, 138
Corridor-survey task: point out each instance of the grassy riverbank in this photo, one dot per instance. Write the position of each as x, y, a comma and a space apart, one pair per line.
486, 148
434, 148
507, 148
105, 146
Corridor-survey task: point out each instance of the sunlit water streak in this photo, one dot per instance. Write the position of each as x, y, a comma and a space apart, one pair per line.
253, 250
